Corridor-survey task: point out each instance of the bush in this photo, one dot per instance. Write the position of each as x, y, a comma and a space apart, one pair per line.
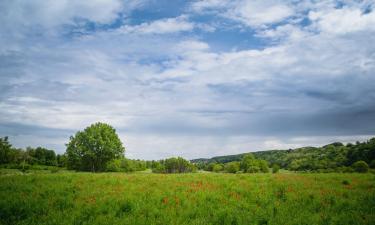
232, 167
178, 165
360, 167
217, 168
275, 168
158, 168
345, 182
263, 165
253, 169
372, 164
113, 166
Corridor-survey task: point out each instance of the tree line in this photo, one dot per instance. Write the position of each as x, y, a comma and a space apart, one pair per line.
98, 149
334, 157
19, 158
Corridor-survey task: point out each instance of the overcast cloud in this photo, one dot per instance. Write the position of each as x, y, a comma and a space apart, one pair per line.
188, 78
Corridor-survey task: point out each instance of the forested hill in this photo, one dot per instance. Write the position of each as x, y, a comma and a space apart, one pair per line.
331, 156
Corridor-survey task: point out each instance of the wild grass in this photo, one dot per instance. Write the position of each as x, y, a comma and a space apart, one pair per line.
200, 198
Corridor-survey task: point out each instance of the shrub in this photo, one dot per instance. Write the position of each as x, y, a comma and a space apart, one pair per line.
178, 165
345, 182
263, 166
253, 169
158, 168
275, 168
113, 166
217, 168
232, 167
360, 167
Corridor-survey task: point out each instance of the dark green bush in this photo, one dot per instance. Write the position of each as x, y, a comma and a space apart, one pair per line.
275, 168
360, 167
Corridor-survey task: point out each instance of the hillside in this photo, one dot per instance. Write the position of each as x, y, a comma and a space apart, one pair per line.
331, 156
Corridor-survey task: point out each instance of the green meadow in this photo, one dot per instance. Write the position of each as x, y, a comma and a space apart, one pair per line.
192, 198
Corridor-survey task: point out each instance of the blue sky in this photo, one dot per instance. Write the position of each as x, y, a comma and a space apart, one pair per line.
188, 78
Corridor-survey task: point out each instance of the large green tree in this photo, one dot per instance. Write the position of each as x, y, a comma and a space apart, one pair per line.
92, 148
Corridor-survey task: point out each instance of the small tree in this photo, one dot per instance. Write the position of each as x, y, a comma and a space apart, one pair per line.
275, 168
263, 165
247, 162
232, 167
217, 168
93, 148
360, 167
178, 165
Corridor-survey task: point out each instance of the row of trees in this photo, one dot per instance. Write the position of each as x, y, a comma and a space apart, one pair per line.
248, 164
335, 157
29, 156
97, 148
173, 165
126, 165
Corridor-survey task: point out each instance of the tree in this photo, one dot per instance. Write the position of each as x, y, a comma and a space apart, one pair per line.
178, 165
248, 161
61, 160
158, 167
42, 156
232, 167
263, 165
360, 167
217, 168
92, 148
5, 151
275, 168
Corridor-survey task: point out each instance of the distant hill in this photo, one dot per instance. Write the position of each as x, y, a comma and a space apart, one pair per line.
330, 156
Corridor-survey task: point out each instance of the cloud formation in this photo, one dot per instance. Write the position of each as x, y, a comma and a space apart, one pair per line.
304, 74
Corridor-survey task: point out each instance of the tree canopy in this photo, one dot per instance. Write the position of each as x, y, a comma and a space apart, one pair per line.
92, 148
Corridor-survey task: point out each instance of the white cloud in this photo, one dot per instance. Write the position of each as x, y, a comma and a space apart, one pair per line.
162, 26
343, 21
260, 13
255, 13
48, 13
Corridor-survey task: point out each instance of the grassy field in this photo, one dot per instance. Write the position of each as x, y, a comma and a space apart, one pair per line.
200, 198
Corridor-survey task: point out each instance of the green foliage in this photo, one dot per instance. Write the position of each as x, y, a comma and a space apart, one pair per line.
174, 165
125, 165
41, 156
217, 168
372, 164
251, 165
6, 155
61, 160
329, 158
158, 167
31, 156
275, 168
263, 165
345, 182
114, 166
360, 167
93, 148
232, 167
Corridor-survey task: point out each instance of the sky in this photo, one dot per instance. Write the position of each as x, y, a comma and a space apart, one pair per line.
188, 78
